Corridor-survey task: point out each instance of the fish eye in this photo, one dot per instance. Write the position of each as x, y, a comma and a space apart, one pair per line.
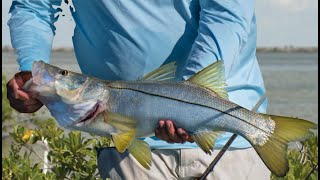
64, 72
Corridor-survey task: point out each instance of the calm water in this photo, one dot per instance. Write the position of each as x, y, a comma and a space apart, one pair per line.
291, 80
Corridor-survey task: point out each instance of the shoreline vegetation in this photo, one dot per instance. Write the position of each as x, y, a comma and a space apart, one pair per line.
284, 49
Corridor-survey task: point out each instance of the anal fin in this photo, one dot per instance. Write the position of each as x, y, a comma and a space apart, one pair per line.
206, 140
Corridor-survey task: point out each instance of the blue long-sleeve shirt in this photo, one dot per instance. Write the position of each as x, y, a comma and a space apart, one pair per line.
122, 40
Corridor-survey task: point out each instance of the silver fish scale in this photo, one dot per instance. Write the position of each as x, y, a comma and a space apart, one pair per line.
182, 91
257, 127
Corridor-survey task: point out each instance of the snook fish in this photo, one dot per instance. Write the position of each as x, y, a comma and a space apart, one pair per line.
127, 110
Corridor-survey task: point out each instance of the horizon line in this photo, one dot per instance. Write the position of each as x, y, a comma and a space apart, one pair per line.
288, 48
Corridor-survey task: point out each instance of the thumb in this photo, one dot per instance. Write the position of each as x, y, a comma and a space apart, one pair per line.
23, 76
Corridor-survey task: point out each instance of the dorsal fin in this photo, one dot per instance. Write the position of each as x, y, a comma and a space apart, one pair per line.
163, 73
212, 77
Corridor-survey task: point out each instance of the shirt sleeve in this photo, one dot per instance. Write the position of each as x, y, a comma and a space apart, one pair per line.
32, 29
223, 30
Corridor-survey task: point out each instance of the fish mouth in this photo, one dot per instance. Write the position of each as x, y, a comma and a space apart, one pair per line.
41, 81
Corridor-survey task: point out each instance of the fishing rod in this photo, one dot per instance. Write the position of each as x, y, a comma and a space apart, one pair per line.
226, 146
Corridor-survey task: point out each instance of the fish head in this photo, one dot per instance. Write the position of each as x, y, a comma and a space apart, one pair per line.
71, 98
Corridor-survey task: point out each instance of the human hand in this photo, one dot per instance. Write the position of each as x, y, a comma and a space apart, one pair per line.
169, 133
19, 99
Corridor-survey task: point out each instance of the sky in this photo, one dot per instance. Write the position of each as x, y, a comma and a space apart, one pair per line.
279, 23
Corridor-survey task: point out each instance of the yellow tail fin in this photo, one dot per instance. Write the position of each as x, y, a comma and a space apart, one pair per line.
274, 152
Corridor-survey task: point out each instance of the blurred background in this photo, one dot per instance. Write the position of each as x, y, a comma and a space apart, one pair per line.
287, 52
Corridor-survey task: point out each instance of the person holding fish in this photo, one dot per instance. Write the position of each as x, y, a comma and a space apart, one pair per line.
123, 40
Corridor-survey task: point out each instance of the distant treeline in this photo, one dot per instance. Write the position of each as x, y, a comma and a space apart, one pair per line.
288, 49
259, 49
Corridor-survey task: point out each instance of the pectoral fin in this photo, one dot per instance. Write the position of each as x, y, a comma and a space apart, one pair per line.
206, 140
121, 122
123, 140
126, 128
140, 150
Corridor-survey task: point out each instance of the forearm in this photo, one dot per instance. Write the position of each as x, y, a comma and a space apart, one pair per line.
32, 30
223, 30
